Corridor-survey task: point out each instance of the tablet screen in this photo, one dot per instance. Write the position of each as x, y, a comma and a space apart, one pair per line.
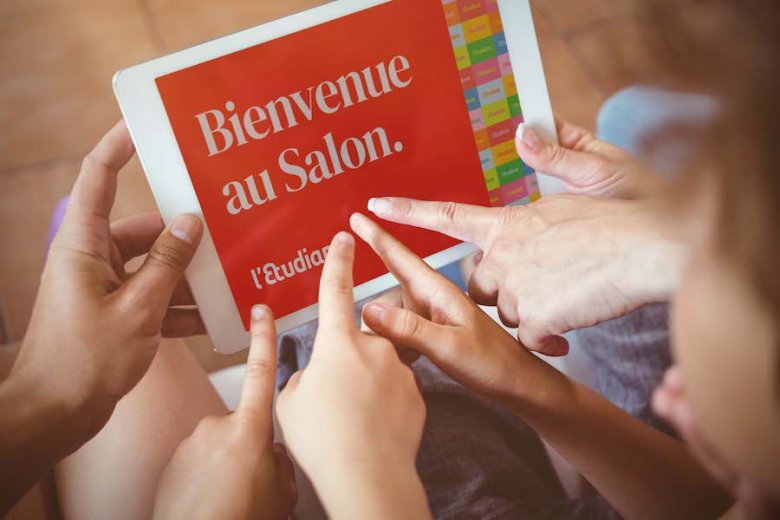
284, 140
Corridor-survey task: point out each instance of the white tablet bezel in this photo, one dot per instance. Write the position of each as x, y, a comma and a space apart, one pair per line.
150, 128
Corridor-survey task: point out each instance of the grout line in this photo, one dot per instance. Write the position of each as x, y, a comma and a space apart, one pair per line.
586, 66
151, 25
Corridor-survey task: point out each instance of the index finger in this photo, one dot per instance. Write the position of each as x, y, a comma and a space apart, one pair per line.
336, 299
403, 263
93, 193
462, 221
257, 393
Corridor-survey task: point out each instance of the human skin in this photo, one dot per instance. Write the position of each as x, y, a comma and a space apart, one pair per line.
643, 473
722, 395
353, 418
95, 328
565, 262
229, 467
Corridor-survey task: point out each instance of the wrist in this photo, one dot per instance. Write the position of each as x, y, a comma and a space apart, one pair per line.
371, 487
656, 256
42, 419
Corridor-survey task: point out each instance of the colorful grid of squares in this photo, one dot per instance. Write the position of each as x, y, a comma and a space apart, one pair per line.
486, 75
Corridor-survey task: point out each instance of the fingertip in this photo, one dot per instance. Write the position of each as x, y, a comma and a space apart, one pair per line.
360, 224
187, 228
553, 346
374, 313
260, 312
261, 316
380, 206
528, 139
343, 239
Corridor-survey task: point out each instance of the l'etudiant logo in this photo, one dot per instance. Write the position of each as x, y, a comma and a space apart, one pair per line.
232, 128
258, 122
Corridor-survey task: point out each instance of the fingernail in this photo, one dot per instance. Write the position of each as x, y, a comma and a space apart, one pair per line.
342, 237
185, 228
529, 138
375, 312
380, 206
259, 312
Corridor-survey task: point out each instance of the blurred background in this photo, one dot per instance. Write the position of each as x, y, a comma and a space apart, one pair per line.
56, 101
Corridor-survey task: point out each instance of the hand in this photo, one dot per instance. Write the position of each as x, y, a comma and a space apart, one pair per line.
586, 165
560, 264
353, 418
439, 321
229, 467
95, 328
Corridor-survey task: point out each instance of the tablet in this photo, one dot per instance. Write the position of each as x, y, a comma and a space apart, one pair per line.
276, 134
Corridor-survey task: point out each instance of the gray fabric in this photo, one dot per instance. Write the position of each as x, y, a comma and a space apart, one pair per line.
630, 356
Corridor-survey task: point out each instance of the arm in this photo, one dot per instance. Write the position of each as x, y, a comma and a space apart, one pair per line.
384, 491
642, 472
36, 431
95, 328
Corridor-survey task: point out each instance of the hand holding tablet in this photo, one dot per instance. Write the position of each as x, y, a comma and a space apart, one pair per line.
278, 133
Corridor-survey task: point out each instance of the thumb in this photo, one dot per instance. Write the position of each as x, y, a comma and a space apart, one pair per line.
403, 327
166, 262
577, 169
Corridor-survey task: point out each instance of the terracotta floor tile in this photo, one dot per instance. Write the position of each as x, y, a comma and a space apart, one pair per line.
570, 14
574, 96
613, 54
57, 63
182, 23
27, 200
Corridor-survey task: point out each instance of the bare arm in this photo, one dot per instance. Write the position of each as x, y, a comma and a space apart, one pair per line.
642, 472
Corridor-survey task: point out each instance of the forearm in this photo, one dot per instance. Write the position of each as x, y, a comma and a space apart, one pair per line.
36, 432
367, 490
640, 471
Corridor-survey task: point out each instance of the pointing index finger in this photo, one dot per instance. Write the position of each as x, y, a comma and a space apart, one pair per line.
462, 221
257, 393
336, 285
403, 263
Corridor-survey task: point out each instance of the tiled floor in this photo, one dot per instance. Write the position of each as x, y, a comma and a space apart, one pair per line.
57, 60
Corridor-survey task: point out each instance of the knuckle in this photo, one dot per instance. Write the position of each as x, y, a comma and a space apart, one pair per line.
170, 255
336, 285
555, 154
448, 211
258, 368
408, 325
89, 162
507, 215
